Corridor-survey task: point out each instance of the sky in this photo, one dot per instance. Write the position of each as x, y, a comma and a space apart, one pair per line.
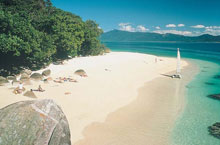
184, 17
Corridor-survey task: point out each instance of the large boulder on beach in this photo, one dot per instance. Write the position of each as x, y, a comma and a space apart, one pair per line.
3, 80
46, 72
215, 130
24, 77
39, 122
107, 50
80, 72
26, 71
215, 96
36, 76
11, 78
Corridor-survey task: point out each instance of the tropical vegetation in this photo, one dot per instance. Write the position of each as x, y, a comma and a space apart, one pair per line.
33, 33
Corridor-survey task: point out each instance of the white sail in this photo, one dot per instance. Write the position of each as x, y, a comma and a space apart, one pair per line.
178, 68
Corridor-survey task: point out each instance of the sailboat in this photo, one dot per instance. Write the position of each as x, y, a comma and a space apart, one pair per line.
178, 67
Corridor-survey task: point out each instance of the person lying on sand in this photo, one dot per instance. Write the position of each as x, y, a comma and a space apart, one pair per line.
39, 89
59, 80
72, 80
64, 79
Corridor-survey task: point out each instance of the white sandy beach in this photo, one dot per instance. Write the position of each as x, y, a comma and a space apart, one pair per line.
113, 82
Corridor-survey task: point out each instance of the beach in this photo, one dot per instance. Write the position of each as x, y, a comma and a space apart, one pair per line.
127, 98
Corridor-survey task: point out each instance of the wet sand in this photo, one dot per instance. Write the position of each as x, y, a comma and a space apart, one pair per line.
147, 120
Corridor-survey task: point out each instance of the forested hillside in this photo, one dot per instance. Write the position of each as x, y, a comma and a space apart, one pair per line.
124, 36
33, 33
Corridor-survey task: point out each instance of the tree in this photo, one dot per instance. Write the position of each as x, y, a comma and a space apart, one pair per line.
91, 45
33, 33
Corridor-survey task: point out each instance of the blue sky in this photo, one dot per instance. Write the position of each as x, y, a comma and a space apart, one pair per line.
186, 17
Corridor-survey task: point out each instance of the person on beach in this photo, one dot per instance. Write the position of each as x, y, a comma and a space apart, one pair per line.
19, 89
39, 89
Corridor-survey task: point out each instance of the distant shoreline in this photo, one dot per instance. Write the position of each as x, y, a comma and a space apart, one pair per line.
155, 41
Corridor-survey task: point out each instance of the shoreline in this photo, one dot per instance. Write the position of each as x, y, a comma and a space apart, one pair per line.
101, 90
138, 122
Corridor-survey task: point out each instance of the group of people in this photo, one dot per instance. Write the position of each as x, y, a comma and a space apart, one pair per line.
21, 89
64, 79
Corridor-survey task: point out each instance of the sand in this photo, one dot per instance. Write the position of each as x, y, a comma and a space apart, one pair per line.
113, 97
148, 120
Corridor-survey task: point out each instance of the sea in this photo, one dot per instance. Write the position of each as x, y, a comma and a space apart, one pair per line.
191, 127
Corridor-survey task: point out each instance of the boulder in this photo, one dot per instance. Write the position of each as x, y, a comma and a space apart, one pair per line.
81, 73
30, 94
46, 72
107, 50
26, 71
3, 80
58, 62
215, 96
24, 77
38, 122
36, 76
215, 130
217, 77
11, 78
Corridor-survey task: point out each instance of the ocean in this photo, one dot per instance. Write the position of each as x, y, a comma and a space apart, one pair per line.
191, 127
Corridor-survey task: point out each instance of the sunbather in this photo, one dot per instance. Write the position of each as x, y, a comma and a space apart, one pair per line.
39, 89
19, 89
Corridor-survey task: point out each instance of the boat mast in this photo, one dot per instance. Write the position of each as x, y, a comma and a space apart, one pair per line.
178, 68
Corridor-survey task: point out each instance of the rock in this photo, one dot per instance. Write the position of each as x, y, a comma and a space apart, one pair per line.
30, 94
3, 80
46, 72
24, 77
107, 50
11, 78
39, 122
215, 96
36, 76
217, 77
81, 73
58, 62
26, 71
215, 130
211, 84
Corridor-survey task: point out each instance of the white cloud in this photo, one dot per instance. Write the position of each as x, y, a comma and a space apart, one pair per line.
181, 25
198, 26
141, 28
186, 33
126, 27
212, 27
124, 24
212, 30
171, 26
158, 27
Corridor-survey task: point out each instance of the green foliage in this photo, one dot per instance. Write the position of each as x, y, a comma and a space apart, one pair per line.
33, 33
91, 45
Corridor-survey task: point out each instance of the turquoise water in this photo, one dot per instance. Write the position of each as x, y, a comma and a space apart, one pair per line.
200, 112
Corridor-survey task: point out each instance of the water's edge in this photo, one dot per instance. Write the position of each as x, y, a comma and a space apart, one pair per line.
191, 127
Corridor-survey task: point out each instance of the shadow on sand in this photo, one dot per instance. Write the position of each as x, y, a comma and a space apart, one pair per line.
170, 76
